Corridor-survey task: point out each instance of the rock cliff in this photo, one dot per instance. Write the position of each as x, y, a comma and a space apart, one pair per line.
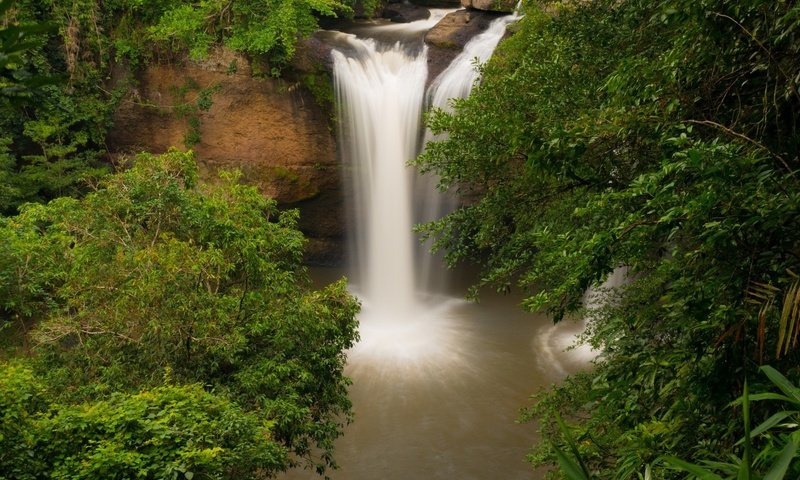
271, 129
506, 6
446, 40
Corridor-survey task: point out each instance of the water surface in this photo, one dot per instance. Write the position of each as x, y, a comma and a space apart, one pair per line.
438, 396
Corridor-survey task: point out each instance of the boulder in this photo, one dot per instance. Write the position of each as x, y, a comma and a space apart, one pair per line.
313, 54
438, 3
446, 40
404, 12
505, 6
271, 129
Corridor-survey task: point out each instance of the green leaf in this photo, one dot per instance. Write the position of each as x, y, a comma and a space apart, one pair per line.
745, 466
692, 468
571, 443
767, 424
781, 465
783, 384
756, 397
570, 467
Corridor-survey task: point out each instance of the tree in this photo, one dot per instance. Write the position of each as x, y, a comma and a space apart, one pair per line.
52, 125
165, 433
258, 27
656, 136
153, 272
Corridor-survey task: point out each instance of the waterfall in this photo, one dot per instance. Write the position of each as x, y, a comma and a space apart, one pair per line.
380, 89
437, 381
456, 81
380, 92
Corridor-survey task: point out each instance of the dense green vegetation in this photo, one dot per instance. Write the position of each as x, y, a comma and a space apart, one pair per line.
151, 326
52, 137
659, 136
168, 432
173, 330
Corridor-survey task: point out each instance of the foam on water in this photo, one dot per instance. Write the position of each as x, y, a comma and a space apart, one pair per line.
429, 341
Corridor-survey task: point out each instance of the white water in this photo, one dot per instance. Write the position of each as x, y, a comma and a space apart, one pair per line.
380, 92
380, 89
406, 317
457, 80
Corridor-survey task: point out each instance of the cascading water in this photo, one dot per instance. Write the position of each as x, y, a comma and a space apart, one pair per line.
381, 92
457, 80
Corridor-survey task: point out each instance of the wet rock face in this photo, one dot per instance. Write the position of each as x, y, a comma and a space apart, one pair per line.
438, 3
446, 40
313, 54
505, 6
270, 129
404, 12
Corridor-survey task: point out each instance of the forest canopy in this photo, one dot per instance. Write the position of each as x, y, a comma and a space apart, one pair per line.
659, 138
151, 325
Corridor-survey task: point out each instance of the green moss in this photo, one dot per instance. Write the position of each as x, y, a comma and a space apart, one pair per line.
190, 110
282, 173
320, 85
447, 44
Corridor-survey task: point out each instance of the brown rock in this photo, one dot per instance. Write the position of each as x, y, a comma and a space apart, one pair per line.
446, 40
404, 12
270, 129
505, 6
313, 54
438, 3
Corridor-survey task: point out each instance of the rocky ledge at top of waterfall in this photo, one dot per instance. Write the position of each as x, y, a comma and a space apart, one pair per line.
505, 6
447, 38
405, 11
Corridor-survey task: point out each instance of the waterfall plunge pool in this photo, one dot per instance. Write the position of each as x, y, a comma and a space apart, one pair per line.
437, 396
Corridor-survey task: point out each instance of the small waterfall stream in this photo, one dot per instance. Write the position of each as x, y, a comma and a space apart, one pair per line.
457, 80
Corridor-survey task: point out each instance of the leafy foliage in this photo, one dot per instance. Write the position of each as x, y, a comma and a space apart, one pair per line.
656, 136
121, 278
165, 433
153, 272
55, 118
191, 110
779, 436
16, 82
261, 27
61, 81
